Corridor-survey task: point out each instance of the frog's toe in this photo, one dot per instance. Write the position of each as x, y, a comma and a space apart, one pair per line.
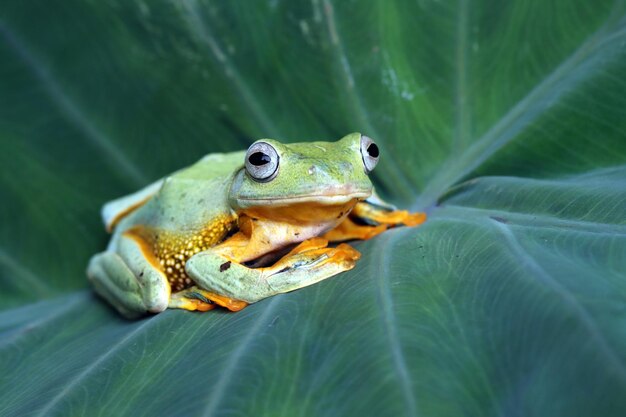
346, 253
372, 214
413, 219
191, 300
197, 299
338, 259
348, 230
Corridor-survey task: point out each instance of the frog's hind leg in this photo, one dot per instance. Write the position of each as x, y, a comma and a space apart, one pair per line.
129, 282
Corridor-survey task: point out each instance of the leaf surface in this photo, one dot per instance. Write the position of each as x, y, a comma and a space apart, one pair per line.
504, 121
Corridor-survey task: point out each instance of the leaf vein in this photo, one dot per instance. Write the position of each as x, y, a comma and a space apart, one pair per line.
74, 382
69, 108
462, 130
389, 323
395, 175
34, 283
529, 220
231, 364
541, 275
30, 326
525, 111
204, 34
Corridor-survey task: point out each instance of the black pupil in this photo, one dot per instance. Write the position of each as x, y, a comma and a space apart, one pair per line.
259, 158
373, 151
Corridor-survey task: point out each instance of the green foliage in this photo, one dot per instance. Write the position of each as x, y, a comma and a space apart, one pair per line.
504, 120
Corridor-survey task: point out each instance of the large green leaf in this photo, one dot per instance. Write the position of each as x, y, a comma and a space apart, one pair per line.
504, 120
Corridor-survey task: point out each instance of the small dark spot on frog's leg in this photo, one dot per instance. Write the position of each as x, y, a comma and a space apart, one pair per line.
499, 219
225, 266
287, 268
141, 274
297, 234
340, 215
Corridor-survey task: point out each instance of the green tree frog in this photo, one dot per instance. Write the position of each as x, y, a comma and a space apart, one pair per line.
235, 228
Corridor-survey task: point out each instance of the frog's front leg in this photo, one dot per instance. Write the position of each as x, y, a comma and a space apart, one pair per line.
368, 219
309, 262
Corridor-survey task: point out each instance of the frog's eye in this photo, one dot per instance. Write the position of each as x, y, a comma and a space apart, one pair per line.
262, 161
369, 152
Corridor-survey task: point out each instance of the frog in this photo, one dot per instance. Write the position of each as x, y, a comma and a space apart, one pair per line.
235, 228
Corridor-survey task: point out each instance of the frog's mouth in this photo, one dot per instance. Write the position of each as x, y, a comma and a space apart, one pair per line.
330, 200
325, 199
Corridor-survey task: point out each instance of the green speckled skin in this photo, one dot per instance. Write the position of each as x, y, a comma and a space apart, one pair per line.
189, 198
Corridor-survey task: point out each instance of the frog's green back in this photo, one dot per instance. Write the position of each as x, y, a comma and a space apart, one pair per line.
187, 200
213, 165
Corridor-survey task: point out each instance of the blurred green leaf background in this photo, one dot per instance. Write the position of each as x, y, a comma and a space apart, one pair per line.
505, 121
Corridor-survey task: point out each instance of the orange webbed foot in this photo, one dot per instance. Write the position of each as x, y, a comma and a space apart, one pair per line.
196, 299
368, 220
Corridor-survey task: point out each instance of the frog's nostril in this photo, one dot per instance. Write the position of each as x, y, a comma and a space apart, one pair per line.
312, 170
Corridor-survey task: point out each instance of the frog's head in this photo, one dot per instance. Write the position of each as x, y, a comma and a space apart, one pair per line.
333, 173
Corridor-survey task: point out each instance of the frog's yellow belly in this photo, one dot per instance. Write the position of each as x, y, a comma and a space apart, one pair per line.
169, 251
